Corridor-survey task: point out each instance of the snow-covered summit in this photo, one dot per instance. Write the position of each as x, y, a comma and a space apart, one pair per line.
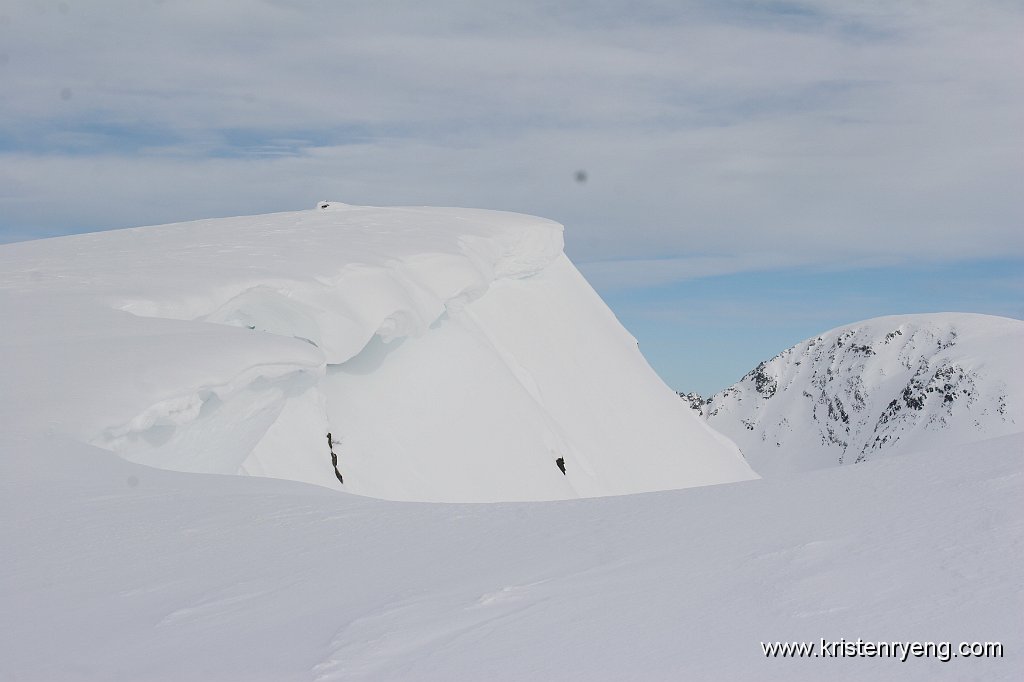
405, 265
452, 354
887, 385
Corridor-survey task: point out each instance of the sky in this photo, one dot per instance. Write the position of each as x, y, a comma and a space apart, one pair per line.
755, 172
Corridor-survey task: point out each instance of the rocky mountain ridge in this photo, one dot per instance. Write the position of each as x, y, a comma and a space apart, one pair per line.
881, 386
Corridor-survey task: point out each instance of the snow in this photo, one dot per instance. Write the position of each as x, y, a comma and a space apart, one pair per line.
113, 570
453, 354
877, 388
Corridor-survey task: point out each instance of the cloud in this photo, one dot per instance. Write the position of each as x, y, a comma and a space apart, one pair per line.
639, 273
764, 133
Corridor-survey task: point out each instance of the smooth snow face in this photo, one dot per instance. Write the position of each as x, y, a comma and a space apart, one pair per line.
535, 370
452, 354
883, 386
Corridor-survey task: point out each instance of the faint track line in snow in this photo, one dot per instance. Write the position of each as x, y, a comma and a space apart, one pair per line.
408, 632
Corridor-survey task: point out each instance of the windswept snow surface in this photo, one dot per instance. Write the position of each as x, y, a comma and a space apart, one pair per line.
115, 571
884, 386
453, 354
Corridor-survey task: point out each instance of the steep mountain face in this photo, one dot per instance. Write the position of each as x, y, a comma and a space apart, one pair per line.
879, 387
451, 354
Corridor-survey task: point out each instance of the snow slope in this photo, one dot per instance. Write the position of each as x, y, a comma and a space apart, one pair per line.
232, 346
452, 354
884, 386
115, 571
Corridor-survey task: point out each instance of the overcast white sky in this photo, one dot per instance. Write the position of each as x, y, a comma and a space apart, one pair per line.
719, 138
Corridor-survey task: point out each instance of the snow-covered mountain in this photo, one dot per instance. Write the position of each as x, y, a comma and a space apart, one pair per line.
887, 385
451, 354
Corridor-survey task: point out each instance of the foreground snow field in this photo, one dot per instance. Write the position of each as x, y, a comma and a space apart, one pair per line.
113, 570
453, 355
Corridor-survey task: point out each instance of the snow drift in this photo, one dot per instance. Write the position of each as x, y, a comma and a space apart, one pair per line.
884, 386
233, 346
114, 571
452, 354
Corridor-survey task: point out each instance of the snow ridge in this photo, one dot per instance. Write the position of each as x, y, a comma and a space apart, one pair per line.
891, 384
454, 354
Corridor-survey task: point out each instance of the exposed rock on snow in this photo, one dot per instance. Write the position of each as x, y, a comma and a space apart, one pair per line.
695, 400
455, 353
887, 385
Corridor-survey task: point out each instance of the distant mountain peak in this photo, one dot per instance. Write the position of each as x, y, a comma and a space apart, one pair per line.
877, 387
